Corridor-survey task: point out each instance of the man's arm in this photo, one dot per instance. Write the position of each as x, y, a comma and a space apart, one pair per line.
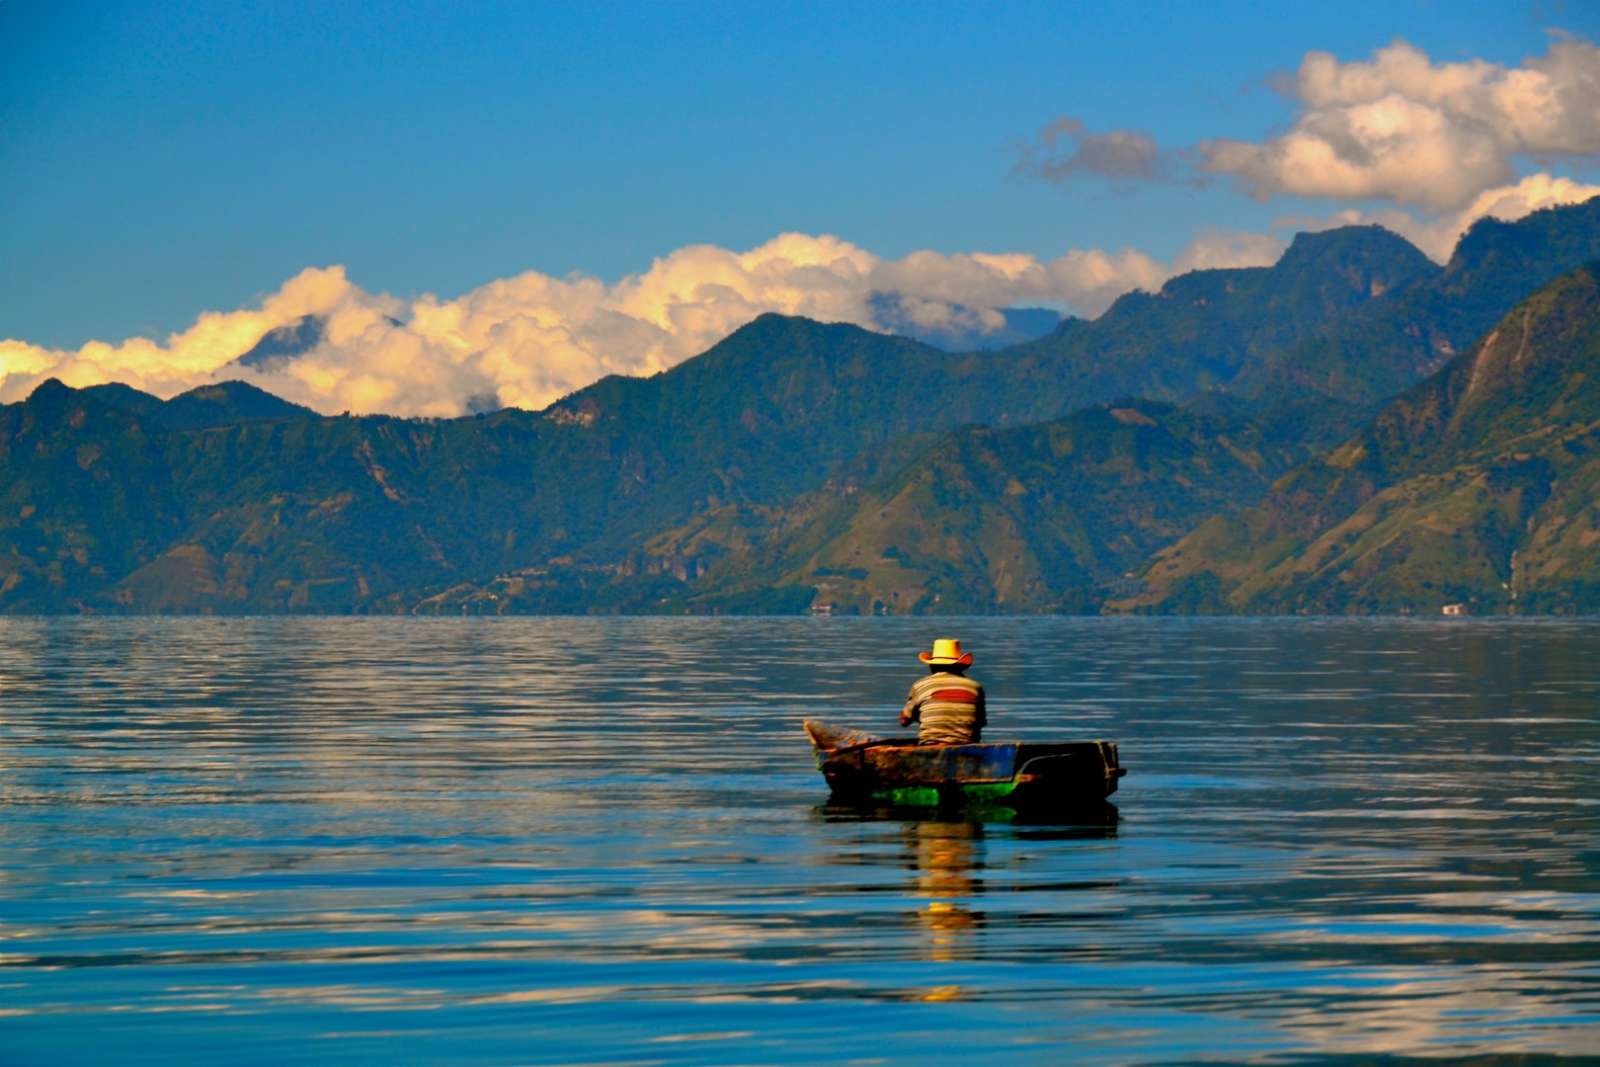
982, 716
912, 711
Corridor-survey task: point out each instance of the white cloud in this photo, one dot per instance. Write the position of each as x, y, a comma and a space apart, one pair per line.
1437, 135
530, 339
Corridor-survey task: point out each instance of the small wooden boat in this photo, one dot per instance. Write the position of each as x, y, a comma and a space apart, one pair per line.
898, 772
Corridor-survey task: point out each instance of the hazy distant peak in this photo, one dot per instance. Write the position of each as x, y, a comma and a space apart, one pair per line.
286, 342
959, 327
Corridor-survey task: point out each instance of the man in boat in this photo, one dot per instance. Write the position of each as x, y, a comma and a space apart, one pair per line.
947, 704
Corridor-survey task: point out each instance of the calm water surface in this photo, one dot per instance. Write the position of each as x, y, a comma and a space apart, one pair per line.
536, 841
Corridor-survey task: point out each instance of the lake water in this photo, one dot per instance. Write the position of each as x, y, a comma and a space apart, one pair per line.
574, 840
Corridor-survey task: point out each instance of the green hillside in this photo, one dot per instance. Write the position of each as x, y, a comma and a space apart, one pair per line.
86, 498
1478, 487
1043, 517
1035, 518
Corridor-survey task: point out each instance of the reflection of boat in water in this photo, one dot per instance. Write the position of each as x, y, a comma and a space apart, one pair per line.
1020, 775
969, 885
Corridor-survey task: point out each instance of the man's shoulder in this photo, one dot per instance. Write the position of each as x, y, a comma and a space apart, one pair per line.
948, 680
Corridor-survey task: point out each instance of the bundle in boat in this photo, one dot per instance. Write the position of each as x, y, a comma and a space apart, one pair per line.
899, 772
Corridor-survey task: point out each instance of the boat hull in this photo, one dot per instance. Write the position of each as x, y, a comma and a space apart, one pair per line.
898, 772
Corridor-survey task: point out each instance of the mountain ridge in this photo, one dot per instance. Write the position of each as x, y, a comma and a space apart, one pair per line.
664, 493
1438, 497
224, 403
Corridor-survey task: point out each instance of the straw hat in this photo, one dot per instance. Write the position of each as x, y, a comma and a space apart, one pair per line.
947, 653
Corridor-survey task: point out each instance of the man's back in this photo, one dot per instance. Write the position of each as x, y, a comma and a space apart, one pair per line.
950, 708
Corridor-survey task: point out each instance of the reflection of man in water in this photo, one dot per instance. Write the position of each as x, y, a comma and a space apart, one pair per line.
946, 864
947, 703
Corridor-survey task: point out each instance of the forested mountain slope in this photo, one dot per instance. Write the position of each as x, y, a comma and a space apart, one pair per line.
1479, 486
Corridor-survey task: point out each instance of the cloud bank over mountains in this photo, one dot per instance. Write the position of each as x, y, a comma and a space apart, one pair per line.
1423, 148
531, 339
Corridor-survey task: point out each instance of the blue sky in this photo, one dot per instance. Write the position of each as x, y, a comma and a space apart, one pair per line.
159, 160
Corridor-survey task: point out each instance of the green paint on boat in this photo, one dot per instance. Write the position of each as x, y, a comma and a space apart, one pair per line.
909, 797
927, 796
987, 792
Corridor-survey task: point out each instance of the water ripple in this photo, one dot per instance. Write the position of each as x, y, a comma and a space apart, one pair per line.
550, 841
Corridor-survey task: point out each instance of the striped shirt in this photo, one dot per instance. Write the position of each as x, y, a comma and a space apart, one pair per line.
950, 708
